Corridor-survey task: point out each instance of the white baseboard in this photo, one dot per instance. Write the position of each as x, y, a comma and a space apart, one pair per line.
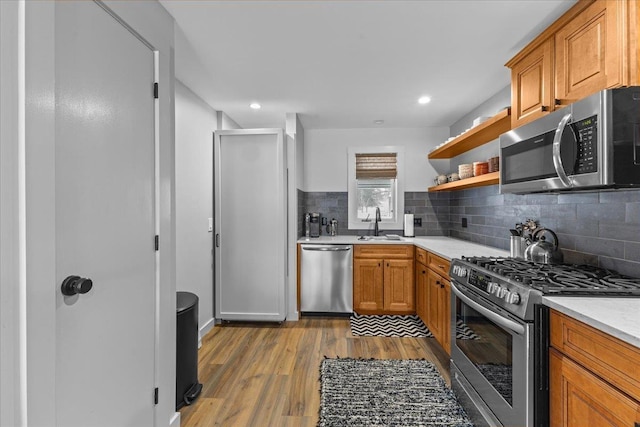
205, 329
175, 420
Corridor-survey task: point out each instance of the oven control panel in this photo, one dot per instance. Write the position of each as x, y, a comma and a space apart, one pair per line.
480, 281
486, 283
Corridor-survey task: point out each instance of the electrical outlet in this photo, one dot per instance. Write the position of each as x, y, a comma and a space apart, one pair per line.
464, 222
417, 222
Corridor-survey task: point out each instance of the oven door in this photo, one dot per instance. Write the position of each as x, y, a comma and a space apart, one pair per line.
493, 352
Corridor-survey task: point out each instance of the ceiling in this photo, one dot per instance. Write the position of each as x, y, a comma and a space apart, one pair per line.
344, 64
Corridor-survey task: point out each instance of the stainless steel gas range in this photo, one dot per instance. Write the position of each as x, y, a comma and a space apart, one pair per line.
499, 351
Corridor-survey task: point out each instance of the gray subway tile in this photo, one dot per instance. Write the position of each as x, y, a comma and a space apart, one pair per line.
606, 247
619, 231
629, 268
601, 212
632, 251
632, 213
620, 196
578, 198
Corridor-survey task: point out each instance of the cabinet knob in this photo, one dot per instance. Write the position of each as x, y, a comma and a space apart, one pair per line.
544, 108
557, 101
379, 265
424, 272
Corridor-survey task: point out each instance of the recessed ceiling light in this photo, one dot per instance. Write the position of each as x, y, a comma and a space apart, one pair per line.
424, 100
378, 122
255, 106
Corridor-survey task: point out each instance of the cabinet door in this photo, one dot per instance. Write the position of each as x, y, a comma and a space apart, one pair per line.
421, 291
445, 299
579, 398
368, 294
589, 52
399, 287
434, 307
531, 85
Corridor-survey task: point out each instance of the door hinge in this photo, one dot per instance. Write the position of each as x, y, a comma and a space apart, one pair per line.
157, 242
155, 90
155, 396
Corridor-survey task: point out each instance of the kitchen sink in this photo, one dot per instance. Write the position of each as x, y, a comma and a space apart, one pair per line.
387, 237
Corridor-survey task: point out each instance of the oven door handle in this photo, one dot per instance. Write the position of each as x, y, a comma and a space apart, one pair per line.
504, 322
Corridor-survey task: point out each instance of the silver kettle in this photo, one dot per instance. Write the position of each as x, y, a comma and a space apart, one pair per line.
542, 251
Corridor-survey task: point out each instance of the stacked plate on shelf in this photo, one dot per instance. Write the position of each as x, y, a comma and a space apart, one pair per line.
494, 164
465, 171
480, 168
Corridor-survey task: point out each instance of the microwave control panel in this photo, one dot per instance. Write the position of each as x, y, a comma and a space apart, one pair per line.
587, 156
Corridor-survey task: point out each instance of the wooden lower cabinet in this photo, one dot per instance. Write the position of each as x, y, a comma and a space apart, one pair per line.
383, 285
368, 285
438, 295
421, 291
593, 377
399, 288
579, 398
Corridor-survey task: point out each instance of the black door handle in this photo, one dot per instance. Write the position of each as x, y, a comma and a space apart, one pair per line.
73, 285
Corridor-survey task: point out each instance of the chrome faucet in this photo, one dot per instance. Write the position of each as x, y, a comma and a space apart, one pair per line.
376, 231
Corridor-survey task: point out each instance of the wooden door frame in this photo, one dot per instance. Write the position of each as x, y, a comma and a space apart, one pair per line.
27, 170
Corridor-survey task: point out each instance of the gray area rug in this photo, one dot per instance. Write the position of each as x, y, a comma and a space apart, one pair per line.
376, 393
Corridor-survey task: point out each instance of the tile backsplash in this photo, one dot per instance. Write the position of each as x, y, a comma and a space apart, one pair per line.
600, 228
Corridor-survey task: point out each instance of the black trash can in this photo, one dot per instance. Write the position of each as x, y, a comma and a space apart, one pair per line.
187, 386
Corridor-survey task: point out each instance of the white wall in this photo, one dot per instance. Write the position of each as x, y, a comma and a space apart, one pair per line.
225, 122
488, 108
195, 123
325, 154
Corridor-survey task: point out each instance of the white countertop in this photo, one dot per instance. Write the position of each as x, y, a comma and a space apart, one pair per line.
445, 247
619, 317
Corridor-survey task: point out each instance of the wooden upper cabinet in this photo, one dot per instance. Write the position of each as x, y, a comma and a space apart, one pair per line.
593, 46
532, 85
589, 52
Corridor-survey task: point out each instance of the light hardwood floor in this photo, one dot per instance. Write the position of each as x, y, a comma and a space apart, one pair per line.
268, 375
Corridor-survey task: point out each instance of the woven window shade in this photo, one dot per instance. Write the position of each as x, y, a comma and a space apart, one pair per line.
376, 165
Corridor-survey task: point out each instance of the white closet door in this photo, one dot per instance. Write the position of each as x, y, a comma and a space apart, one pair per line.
250, 225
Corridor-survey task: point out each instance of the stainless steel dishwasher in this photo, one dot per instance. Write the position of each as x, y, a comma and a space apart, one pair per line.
326, 279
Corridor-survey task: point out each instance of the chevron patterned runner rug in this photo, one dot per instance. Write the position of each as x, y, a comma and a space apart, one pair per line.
399, 326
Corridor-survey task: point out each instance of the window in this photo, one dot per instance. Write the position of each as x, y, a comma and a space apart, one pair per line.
375, 181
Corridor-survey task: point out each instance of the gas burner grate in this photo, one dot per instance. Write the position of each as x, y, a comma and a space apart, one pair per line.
560, 278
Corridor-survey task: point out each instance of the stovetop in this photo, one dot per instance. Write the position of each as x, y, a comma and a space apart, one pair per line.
560, 278
516, 285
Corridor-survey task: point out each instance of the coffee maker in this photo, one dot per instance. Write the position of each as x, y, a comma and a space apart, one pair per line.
312, 225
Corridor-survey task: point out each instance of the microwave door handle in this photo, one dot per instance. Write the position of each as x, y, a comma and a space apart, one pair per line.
557, 160
494, 317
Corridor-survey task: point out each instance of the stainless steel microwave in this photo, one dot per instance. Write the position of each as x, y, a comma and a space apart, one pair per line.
591, 144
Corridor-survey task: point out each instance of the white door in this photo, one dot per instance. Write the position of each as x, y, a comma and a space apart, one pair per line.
105, 220
250, 219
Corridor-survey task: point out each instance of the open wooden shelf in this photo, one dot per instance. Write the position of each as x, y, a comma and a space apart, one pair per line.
476, 181
481, 134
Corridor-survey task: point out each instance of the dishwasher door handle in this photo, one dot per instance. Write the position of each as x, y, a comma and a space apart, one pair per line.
327, 249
